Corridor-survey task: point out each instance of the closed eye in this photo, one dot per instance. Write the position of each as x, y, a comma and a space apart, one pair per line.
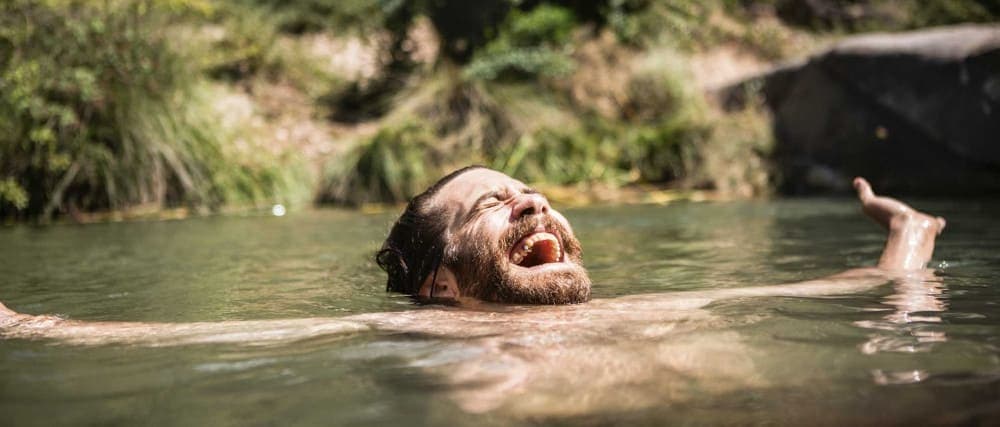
489, 202
486, 201
493, 199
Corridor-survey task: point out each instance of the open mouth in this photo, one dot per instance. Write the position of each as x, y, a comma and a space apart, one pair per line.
536, 249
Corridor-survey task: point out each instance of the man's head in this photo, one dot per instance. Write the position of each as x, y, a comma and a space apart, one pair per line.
478, 233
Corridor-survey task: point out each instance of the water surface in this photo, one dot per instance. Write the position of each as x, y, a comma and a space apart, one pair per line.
924, 351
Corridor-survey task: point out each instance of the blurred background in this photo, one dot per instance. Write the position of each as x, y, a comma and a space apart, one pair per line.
133, 108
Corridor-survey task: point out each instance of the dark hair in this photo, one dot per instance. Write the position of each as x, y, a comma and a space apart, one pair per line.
415, 245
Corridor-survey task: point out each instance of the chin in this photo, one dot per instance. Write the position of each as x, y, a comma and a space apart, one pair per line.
536, 263
551, 283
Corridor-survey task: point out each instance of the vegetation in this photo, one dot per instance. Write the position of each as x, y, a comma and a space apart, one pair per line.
151, 104
98, 111
529, 44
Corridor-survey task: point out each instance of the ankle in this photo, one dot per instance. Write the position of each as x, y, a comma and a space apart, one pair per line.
904, 221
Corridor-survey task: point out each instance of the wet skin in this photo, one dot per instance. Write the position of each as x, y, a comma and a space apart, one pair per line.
567, 340
505, 243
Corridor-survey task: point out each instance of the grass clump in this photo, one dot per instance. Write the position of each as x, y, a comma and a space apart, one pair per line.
552, 156
99, 112
529, 44
240, 43
394, 165
611, 154
303, 16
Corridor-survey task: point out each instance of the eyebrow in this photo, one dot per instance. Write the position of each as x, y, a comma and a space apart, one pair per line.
493, 193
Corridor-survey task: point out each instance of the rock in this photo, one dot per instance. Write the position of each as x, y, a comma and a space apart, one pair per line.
915, 113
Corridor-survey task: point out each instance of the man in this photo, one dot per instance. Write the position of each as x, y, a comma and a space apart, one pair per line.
480, 234
476, 236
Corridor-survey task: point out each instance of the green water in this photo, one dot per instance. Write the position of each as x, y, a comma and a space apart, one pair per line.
867, 357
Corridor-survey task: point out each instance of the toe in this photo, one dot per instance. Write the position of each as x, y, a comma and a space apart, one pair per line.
863, 188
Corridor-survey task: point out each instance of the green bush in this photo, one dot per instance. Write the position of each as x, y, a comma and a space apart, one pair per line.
945, 12
98, 111
608, 152
646, 22
396, 164
529, 44
299, 16
246, 45
556, 157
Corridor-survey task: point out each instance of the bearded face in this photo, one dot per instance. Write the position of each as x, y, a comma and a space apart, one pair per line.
534, 259
502, 243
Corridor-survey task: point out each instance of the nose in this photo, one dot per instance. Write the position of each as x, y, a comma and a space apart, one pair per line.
529, 204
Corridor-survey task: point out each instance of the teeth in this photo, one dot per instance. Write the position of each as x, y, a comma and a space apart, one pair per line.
530, 242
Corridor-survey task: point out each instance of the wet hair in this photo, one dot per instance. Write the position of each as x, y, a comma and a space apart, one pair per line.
416, 243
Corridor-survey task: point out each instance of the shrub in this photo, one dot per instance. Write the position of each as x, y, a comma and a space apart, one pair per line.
299, 16
98, 111
556, 157
396, 164
609, 152
528, 44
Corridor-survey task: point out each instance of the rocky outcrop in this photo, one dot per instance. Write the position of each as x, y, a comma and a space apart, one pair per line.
916, 113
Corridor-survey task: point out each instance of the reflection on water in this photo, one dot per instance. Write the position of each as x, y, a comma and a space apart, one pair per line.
923, 350
917, 301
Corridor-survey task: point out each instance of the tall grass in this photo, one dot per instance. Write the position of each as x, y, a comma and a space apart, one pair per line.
528, 44
394, 165
99, 111
299, 16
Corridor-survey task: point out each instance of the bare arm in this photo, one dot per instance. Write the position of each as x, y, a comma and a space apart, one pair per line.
908, 248
16, 325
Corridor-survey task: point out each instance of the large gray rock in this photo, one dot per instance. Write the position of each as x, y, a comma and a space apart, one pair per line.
916, 113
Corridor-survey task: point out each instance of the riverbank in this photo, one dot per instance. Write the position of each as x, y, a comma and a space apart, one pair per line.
146, 106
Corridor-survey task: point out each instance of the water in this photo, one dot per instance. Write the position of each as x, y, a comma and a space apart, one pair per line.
923, 351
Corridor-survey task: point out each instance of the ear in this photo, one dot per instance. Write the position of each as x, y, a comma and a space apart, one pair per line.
445, 284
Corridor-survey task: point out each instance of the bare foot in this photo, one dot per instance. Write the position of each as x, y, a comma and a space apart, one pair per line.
886, 211
911, 232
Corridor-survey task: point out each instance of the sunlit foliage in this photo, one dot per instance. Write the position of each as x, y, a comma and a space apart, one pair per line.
98, 111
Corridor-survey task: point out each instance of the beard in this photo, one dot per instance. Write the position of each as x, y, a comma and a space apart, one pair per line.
485, 271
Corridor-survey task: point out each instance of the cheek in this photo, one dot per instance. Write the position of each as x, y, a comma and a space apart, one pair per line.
486, 231
562, 220
492, 226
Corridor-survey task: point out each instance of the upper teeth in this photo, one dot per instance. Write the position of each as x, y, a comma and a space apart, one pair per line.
530, 242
